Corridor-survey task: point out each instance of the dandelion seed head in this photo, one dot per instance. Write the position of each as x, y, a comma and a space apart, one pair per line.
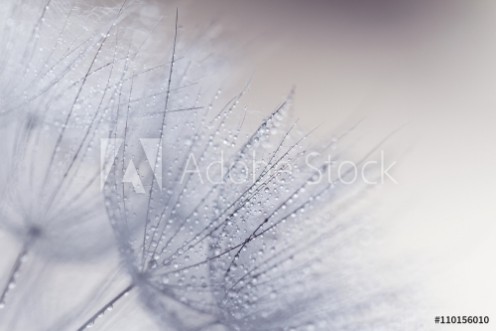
56, 89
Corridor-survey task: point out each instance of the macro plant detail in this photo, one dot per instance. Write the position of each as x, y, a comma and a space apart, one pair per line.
106, 144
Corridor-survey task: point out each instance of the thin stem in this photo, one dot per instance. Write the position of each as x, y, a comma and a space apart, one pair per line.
102, 310
14, 272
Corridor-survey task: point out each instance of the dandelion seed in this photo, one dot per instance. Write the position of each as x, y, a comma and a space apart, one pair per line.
51, 117
198, 250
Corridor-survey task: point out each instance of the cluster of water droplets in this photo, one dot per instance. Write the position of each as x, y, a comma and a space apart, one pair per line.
225, 232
